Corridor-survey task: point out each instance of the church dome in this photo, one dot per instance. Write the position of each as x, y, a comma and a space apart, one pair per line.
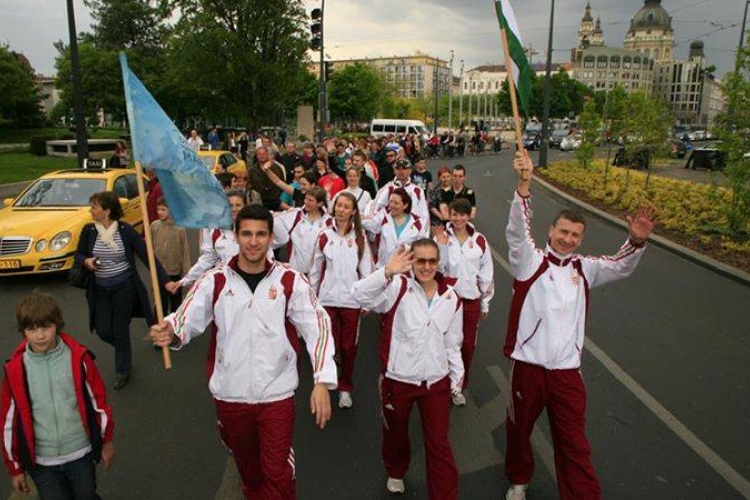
696, 45
651, 16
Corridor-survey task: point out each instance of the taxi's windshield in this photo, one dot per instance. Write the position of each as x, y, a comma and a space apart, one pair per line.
61, 192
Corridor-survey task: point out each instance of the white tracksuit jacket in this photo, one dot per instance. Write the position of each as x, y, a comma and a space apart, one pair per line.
337, 266
382, 226
418, 343
252, 357
299, 233
419, 204
470, 264
547, 319
217, 246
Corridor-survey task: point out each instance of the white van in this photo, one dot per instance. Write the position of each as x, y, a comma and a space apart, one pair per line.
381, 127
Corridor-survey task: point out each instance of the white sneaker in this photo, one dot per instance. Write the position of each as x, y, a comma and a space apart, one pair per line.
459, 399
395, 485
516, 492
345, 400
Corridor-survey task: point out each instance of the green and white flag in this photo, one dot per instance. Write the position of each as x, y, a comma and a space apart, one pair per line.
520, 65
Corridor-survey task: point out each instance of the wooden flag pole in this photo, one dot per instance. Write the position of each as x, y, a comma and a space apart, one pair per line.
167, 358
513, 101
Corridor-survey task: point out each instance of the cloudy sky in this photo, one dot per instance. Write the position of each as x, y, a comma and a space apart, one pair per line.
368, 28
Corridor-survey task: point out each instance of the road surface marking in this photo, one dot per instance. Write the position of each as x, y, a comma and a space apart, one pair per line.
718, 464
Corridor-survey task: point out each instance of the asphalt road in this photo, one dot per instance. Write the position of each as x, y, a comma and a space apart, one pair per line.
669, 399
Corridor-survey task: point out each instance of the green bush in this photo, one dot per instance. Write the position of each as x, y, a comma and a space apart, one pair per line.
38, 145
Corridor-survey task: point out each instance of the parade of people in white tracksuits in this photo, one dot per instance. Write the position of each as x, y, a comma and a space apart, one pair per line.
341, 257
419, 201
545, 337
396, 227
465, 256
420, 356
299, 228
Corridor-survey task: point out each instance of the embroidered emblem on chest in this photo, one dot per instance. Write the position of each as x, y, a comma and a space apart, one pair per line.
576, 278
272, 293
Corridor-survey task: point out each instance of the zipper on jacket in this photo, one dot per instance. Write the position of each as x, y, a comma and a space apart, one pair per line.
532, 333
54, 407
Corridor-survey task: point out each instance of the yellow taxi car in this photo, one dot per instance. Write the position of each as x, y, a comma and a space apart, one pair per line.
39, 229
219, 161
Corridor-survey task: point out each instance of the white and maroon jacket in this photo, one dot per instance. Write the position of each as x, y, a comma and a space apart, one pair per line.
418, 343
383, 228
299, 233
252, 356
470, 264
418, 199
337, 266
19, 451
217, 247
547, 318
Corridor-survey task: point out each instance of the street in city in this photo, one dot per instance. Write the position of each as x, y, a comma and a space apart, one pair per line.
665, 370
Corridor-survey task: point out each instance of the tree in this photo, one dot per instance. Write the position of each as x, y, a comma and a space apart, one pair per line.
130, 24
19, 93
241, 57
614, 112
734, 132
566, 96
354, 93
590, 124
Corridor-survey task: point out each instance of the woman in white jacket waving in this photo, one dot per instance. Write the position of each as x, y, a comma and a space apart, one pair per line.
299, 228
420, 354
341, 257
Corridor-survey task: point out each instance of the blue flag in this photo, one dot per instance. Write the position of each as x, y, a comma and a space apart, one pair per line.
195, 197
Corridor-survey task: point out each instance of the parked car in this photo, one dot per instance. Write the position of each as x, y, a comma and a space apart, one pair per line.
556, 138
570, 142
531, 140
39, 229
697, 135
219, 161
637, 157
708, 158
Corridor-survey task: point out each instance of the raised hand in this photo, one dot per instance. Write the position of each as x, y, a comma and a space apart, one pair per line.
400, 262
440, 236
641, 225
523, 165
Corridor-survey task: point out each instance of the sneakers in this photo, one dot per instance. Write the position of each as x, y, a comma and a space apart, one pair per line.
459, 399
345, 400
395, 485
516, 492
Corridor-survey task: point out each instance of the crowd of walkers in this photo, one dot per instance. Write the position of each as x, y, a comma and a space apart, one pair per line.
318, 240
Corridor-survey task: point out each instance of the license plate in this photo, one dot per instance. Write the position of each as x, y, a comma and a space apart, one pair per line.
10, 264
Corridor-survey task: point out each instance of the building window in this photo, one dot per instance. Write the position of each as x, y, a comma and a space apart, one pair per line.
601, 62
588, 62
614, 62
626, 62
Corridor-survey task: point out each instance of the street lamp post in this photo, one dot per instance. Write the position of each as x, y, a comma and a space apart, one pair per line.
435, 83
461, 96
742, 38
547, 84
82, 145
450, 95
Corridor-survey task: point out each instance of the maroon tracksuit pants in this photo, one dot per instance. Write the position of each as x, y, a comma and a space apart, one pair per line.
397, 399
345, 326
472, 313
259, 436
563, 394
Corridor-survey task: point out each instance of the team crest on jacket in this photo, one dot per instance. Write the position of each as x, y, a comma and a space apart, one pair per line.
576, 278
350, 242
272, 292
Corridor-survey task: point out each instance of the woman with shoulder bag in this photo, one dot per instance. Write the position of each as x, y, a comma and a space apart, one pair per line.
107, 249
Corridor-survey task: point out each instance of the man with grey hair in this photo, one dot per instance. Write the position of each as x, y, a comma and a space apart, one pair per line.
269, 192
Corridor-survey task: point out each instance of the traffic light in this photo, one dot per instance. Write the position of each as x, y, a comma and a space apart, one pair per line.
316, 28
328, 70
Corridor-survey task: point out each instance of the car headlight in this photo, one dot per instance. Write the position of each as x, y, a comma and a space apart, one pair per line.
40, 245
60, 241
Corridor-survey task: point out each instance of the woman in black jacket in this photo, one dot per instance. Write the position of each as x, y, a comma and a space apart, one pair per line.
107, 248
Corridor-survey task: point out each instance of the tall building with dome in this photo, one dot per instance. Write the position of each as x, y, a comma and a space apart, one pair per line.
651, 32
646, 63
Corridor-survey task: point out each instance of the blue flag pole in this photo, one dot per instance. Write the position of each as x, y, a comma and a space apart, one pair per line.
166, 356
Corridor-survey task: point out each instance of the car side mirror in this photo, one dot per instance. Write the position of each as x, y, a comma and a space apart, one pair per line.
8, 202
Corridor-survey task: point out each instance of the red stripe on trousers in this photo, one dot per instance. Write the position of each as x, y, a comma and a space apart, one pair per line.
563, 394
260, 439
434, 411
344, 324
472, 313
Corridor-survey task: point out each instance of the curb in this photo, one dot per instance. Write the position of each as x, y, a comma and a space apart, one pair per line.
698, 258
